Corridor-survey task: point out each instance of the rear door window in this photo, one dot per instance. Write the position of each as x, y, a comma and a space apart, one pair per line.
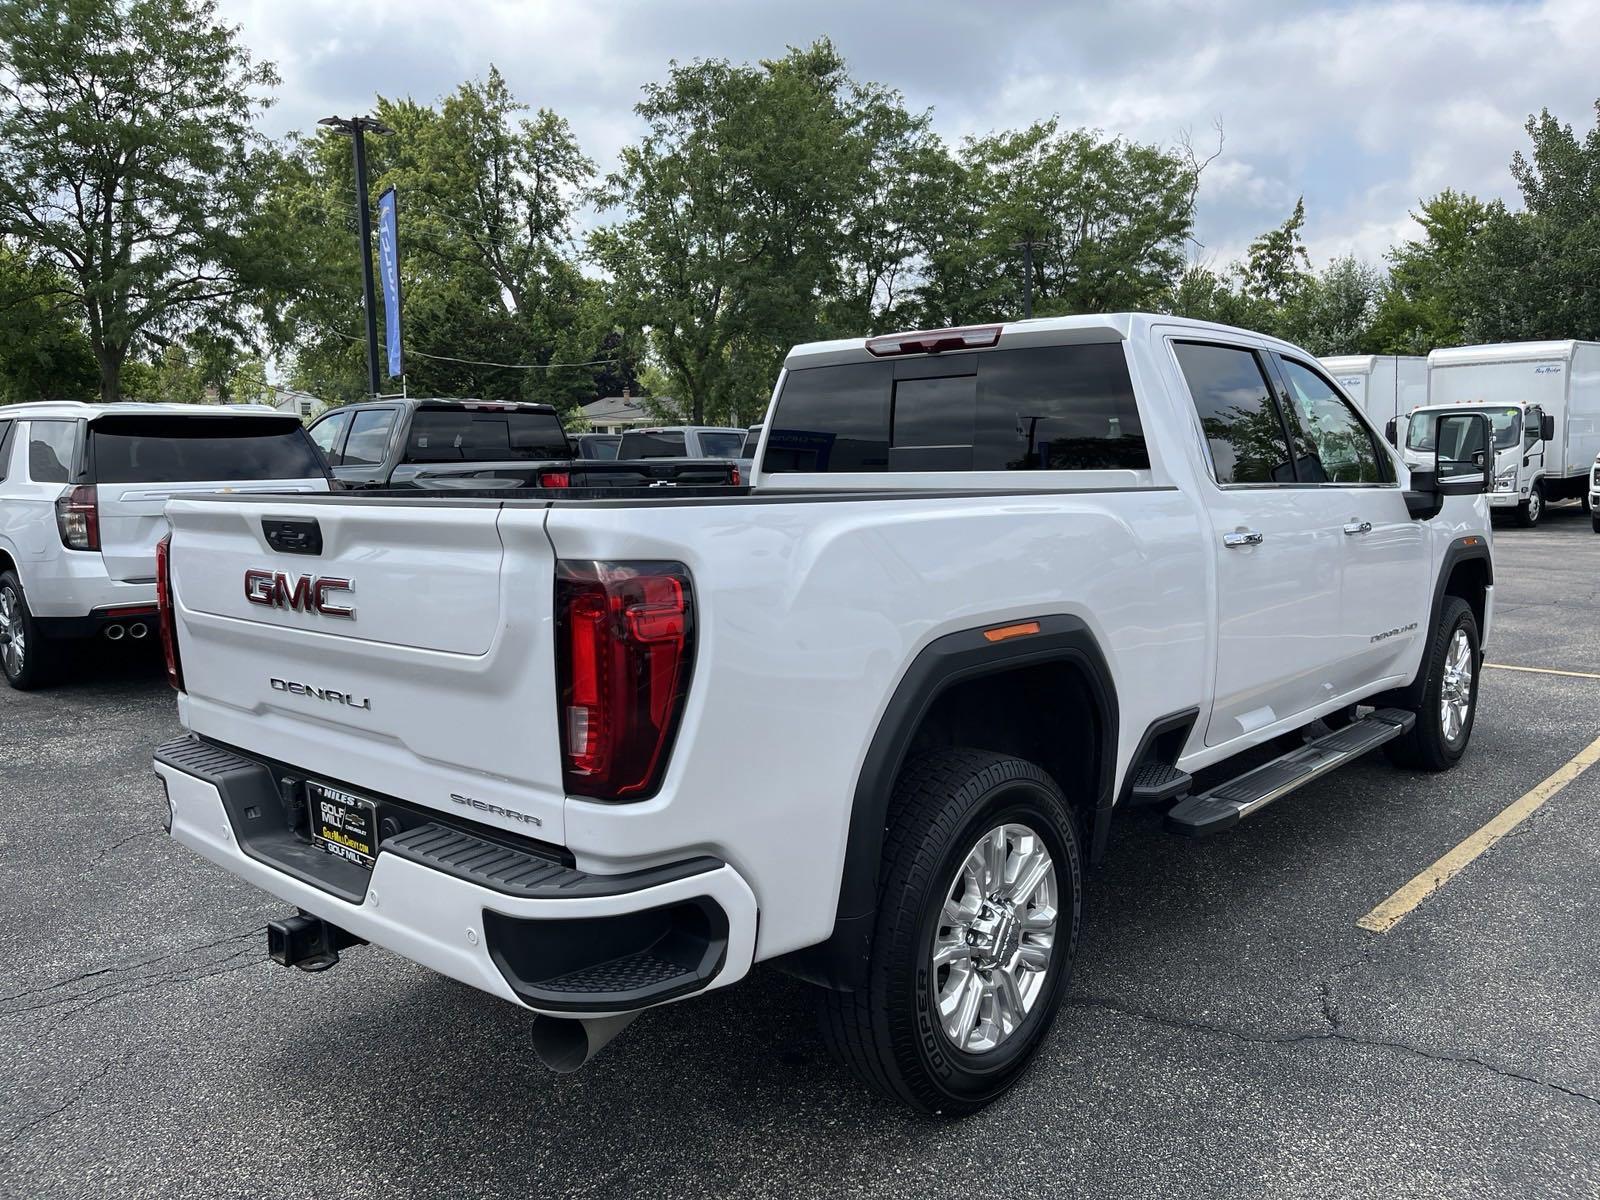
368, 443
660, 443
485, 435
1059, 408
5, 446
148, 449
328, 433
1244, 430
51, 445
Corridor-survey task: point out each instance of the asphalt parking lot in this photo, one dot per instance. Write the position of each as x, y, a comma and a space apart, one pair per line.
1231, 1029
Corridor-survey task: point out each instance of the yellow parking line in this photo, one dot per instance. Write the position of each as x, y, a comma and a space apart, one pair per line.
1393, 910
1544, 671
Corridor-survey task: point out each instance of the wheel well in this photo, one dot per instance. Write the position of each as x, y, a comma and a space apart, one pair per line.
1044, 713
6, 563
1469, 580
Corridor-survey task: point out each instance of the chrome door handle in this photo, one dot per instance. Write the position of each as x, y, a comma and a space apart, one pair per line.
1241, 537
1355, 527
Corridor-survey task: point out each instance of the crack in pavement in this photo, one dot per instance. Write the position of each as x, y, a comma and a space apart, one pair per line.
117, 845
125, 978
13, 1140
1335, 1034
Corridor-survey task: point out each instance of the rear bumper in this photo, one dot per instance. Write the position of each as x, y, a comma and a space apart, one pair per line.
661, 933
74, 584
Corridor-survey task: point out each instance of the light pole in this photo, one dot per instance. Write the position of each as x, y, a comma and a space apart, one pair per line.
1027, 271
357, 128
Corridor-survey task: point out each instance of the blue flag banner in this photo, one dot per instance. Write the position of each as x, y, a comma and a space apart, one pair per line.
389, 269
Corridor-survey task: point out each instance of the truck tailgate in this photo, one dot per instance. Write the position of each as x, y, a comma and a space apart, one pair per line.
445, 660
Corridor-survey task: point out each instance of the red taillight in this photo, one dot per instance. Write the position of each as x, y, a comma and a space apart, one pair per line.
169, 618
934, 341
555, 479
735, 480
624, 651
78, 517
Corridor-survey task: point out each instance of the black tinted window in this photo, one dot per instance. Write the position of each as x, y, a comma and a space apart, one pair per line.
1238, 414
5, 445
832, 419
660, 444
369, 437
598, 447
471, 435
751, 441
201, 450
721, 445
1058, 408
50, 449
1063, 408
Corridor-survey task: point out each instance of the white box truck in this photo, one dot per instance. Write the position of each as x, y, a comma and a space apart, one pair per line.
1384, 386
1543, 399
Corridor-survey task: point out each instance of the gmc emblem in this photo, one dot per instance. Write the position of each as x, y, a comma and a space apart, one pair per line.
302, 593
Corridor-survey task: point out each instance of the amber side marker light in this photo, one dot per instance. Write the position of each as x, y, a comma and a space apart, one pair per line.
1004, 632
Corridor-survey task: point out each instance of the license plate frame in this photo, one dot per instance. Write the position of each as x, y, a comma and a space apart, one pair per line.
343, 824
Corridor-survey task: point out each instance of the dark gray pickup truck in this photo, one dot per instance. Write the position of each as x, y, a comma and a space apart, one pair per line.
447, 445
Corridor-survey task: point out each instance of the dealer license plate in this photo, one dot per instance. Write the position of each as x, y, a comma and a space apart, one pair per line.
343, 824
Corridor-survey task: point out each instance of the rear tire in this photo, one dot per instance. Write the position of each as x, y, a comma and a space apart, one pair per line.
27, 659
1449, 694
1594, 522
964, 977
1532, 509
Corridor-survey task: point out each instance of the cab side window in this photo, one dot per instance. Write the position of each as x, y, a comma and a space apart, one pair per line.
1532, 424
369, 437
1243, 427
1340, 446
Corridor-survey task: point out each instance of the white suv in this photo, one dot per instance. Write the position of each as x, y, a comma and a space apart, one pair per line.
82, 493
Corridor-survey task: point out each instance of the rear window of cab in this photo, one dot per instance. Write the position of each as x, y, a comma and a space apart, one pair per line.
1042, 408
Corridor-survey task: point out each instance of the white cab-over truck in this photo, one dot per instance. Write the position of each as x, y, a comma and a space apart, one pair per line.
82, 488
1543, 399
869, 719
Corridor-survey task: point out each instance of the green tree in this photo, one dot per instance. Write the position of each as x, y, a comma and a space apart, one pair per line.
1276, 265
1427, 303
760, 209
1108, 219
487, 260
129, 161
44, 354
1332, 312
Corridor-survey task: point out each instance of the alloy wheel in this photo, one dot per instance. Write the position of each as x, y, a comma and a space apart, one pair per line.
1455, 693
995, 937
13, 641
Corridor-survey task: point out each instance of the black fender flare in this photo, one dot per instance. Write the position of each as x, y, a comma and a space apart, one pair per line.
841, 961
1472, 547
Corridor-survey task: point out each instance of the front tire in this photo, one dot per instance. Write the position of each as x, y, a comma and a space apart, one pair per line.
27, 659
979, 908
1449, 694
1532, 509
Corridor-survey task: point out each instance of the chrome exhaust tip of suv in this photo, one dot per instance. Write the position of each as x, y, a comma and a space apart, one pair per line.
138, 630
114, 633
566, 1043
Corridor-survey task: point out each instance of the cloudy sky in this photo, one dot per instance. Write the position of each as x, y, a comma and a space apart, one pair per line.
1361, 107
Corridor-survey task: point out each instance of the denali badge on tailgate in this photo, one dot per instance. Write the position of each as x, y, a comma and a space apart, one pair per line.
302, 593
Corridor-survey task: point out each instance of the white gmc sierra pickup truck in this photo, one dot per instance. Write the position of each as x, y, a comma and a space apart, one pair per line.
869, 718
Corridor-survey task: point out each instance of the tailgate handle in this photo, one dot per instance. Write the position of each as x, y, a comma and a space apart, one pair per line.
293, 537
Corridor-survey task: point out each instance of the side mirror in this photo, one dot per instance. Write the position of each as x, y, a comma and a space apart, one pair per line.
1547, 428
1388, 431
1461, 456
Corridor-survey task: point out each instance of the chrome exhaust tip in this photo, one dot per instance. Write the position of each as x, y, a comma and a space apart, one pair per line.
564, 1044
138, 630
114, 633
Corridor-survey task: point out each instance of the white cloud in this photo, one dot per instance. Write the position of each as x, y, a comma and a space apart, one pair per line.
1363, 108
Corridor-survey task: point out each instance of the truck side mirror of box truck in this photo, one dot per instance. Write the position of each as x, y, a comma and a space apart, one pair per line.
1388, 432
1547, 428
